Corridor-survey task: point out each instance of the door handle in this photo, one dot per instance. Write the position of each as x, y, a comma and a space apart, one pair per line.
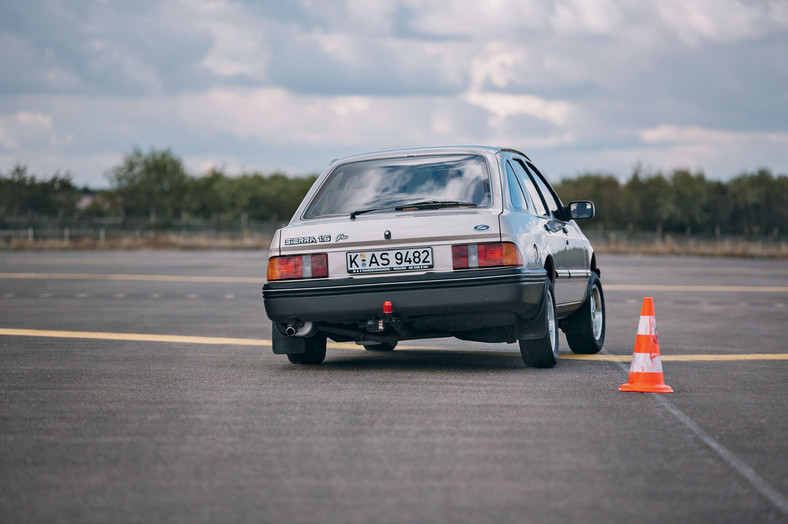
555, 226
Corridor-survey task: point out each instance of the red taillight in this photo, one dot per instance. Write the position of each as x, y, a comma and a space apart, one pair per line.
486, 255
299, 266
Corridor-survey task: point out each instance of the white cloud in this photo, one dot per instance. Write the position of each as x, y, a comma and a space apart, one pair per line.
236, 52
602, 17
722, 153
7, 137
239, 47
493, 19
273, 115
667, 134
342, 47
504, 105
500, 63
371, 16
695, 21
347, 124
34, 120
24, 127
587, 84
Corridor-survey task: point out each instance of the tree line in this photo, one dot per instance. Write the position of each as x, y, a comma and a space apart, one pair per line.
156, 184
749, 204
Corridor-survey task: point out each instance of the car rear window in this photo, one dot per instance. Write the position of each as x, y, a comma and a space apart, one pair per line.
386, 183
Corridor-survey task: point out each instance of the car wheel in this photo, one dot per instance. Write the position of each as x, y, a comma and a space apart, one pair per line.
383, 346
543, 352
585, 328
315, 351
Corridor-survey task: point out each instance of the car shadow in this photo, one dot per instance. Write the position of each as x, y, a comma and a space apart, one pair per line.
422, 360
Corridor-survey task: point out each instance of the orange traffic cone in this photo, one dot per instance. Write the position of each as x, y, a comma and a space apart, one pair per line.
645, 373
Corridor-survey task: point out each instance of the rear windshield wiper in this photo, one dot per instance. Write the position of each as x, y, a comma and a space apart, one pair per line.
426, 204
434, 204
358, 212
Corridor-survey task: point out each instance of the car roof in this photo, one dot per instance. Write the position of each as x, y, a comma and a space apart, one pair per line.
425, 151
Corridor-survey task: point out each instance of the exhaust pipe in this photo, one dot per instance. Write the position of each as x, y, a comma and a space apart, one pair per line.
299, 328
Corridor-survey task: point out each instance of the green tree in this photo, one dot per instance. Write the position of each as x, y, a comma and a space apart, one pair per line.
648, 201
758, 202
718, 206
604, 190
22, 193
210, 196
152, 183
689, 210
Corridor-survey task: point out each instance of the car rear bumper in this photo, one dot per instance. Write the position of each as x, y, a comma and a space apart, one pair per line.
515, 291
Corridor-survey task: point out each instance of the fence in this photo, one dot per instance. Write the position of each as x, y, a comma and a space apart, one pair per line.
656, 242
131, 232
32, 232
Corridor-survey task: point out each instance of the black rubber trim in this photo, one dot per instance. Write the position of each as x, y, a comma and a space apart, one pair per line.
412, 282
513, 290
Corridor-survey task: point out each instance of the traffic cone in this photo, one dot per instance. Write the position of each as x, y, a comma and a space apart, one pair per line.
645, 373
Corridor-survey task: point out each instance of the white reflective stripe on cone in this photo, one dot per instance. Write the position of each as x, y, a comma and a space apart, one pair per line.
647, 326
643, 363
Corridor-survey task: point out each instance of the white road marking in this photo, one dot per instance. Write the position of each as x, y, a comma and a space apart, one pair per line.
258, 281
702, 289
737, 464
136, 278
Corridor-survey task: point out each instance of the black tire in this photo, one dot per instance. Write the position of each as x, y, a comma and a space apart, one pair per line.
543, 352
585, 328
315, 351
383, 346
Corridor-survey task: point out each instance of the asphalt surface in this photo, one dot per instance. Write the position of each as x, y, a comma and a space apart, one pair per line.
100, 424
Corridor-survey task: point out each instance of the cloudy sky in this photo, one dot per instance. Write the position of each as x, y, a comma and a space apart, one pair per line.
579, 85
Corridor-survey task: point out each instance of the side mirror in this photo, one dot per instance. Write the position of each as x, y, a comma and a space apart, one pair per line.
582, 209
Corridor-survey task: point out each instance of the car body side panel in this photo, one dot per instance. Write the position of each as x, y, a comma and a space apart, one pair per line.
579, 260
530, 226
557, 240
275, 244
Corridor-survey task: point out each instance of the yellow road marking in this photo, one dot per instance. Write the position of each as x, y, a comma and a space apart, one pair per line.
139, 278
261, 280
262, 263
743, 270
181, 339
135, 337
683, 358
676, 287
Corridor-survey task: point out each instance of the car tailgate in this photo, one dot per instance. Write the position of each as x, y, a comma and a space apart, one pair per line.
435, 229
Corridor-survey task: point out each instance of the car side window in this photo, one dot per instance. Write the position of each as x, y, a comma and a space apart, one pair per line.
539, 207
552, 202
515, 191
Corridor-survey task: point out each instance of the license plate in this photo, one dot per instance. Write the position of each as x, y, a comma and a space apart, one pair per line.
390, 260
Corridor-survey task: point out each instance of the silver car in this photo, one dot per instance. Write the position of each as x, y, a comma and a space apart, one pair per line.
466, 242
